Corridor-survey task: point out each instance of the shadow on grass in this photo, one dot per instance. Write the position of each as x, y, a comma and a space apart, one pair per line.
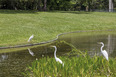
35, 11
18, 12
73, 12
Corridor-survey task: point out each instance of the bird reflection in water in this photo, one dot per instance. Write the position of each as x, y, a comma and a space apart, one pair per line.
3, 57
30, 52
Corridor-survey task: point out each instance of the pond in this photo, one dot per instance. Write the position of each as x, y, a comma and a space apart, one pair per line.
12, 64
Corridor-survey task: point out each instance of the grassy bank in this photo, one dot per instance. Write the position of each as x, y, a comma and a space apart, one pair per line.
17, 26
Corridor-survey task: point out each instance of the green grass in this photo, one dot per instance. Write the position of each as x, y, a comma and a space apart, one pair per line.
82, 66
17, 26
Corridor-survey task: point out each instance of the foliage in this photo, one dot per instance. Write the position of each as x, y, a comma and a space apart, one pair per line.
91, 5
59, 4
54, 4
35, 4
81, 66
19, 4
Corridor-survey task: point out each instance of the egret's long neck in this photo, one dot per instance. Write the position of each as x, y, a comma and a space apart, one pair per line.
102, 47
55, 52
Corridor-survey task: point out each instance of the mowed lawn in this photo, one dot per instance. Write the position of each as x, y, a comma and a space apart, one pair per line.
17, 26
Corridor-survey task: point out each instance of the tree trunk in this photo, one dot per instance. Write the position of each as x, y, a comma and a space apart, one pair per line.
45, 2
87, 8
39, 5
111, 6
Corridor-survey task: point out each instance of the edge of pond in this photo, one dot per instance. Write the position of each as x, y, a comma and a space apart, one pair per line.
27, 45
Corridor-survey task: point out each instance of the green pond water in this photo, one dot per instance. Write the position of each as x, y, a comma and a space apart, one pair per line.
12, 64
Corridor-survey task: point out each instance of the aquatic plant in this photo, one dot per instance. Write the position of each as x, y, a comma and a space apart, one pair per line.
81, 66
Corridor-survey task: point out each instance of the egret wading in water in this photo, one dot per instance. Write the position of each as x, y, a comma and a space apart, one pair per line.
30, 38
103, 51
56, 58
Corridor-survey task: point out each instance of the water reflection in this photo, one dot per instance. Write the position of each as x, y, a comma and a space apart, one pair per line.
13, 63
30, 52
3, 57
89, 42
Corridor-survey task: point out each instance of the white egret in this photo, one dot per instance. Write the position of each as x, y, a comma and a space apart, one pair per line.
31, 52
103, 51
30, 38
56, 58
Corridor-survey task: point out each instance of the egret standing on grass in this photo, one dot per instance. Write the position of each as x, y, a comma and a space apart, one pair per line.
56, 58
103, 51
30, 38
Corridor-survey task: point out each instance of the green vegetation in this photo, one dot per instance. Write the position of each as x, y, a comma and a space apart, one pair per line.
81, 66
76, 64
17, 26
55, 4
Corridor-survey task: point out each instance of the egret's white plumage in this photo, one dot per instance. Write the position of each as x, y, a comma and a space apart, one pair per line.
30, 38
105, 54
103, 51
31, 52
56, 58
